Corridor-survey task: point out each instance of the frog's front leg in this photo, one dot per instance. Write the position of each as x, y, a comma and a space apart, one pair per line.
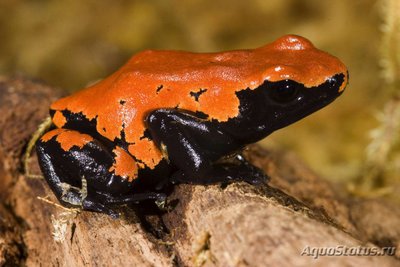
194, 145
83, 172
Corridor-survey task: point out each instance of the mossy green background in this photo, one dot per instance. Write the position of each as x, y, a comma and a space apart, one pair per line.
69, 44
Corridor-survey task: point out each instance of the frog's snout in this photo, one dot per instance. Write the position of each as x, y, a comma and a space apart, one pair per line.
344, 82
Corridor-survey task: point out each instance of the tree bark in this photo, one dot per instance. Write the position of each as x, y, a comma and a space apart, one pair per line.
231, 225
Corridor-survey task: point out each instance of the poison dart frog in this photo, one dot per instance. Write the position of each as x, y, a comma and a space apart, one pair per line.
170, 116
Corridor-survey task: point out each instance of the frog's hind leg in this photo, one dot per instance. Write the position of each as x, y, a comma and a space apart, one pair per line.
79, 170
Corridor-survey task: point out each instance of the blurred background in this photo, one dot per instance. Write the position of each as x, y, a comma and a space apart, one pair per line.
69, 44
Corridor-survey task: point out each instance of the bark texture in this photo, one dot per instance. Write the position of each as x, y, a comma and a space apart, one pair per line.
233, 225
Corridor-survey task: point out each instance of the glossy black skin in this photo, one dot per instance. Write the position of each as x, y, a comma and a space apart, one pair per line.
192, 144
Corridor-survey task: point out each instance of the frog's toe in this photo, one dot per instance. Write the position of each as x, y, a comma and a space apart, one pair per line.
91, 205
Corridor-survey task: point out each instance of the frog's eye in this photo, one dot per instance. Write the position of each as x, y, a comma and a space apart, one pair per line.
284, 91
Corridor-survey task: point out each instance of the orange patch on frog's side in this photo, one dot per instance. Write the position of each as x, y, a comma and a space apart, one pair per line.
124, 166
147, 152
164, 79
67, 138
59, 118
47, 136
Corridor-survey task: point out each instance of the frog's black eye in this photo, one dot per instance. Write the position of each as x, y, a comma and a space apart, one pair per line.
284, 91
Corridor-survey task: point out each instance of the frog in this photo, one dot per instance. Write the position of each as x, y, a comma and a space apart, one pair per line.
168, 117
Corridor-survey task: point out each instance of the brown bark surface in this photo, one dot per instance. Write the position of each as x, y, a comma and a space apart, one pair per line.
234, 225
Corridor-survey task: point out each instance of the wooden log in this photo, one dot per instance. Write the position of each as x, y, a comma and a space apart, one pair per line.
231, 225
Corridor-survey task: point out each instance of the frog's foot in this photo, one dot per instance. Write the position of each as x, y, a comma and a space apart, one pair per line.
73, 195
78, 197
159, 198
88, 204
255, 175
91, 205
224, 173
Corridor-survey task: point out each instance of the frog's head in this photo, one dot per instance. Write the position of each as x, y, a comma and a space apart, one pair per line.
298, 80
303, 80
289, 101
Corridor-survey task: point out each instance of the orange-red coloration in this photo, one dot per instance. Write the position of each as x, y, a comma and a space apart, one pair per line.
58, 116
179, 73
124, 166
147, 152
68, 138
47, 136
